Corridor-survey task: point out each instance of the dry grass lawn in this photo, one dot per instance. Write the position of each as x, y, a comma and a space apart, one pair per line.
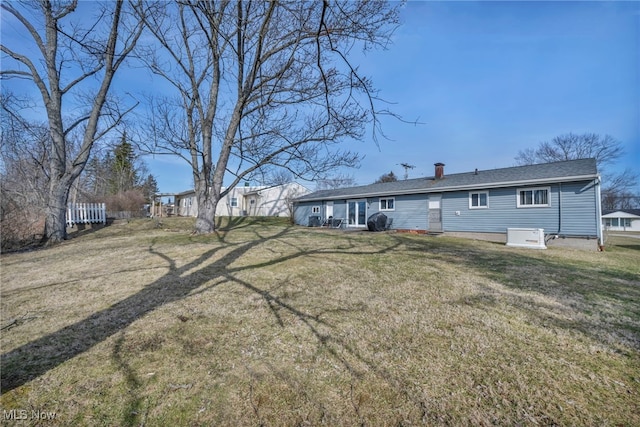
267, 324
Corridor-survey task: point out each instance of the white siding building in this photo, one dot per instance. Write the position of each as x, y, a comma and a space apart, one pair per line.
622, 220
247, 201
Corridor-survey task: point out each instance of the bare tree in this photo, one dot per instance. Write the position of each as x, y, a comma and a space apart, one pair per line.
24, 155
262, 85
387, 177
605, 149
334, 182
618, 189
75, 58
24, 152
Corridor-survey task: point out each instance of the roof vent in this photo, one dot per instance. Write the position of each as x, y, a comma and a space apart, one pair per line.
439, 170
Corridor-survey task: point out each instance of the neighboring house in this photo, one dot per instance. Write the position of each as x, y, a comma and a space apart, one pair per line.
247, 201
621, 220
563, 198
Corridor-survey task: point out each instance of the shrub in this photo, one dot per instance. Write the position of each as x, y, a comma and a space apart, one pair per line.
126, 204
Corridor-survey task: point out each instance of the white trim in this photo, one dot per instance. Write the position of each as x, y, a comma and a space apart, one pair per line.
357, 212
387, 209
486, 206
533, 202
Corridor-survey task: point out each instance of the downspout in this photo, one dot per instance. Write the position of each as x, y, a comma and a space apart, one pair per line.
559, 232
559, 208
599, 211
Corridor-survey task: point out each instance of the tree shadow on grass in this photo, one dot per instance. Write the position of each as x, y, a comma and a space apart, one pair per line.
597, 302
39, 356
79, 230
227, 223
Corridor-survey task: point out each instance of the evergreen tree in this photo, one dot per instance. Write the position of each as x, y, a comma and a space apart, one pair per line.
123, 171
149, 188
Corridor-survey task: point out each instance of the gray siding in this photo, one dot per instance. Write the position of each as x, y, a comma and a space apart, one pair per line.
410, 211
413, 212
571, 211
303, 210
577, 208
501, 214
578, 215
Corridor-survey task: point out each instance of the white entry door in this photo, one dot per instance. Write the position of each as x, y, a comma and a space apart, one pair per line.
328, 210
435, 213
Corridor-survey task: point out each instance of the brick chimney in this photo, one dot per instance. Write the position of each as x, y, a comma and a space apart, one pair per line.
439, 170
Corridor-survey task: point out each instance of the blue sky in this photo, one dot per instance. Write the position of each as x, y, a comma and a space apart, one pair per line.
487, 79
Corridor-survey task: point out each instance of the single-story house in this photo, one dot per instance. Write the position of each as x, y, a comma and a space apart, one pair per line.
247, 201
621, 220
562, 198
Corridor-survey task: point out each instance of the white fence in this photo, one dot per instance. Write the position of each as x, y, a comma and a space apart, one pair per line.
85, 213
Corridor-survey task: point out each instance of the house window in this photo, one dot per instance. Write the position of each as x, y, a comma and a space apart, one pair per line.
479, 200
388, 204
617, 222
533, 197
315, 209
234, 202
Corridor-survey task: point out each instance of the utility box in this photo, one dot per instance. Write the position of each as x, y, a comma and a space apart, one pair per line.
526, 238
315, 221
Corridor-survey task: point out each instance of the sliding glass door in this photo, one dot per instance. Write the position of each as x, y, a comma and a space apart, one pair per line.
357, 213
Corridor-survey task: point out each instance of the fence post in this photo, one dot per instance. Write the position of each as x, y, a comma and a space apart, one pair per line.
84, 213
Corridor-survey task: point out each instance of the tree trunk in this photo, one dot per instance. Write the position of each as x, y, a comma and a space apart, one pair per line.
207, 203
55, 229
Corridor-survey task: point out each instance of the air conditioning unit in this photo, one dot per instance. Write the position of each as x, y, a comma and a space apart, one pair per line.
315, 221
526, 238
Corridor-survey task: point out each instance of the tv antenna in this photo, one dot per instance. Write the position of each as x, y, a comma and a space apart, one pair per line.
406, 167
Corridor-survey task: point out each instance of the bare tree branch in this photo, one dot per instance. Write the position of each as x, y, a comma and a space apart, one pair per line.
606, 150
63, 49
262, 86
